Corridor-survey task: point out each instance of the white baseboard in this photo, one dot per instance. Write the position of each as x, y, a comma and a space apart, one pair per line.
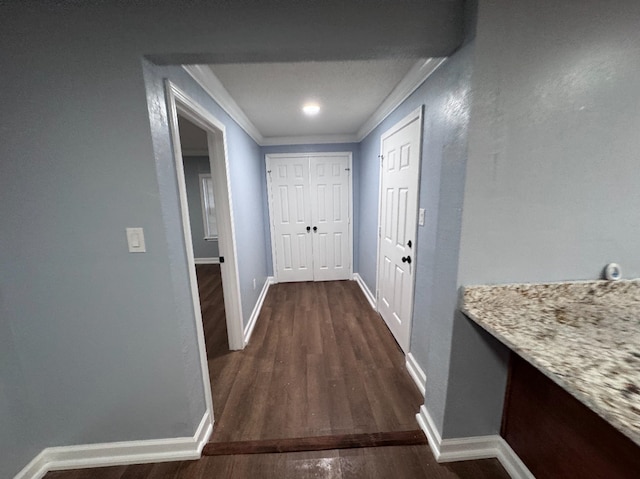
365, 289
248, 330
469, 448
511, 462
417, 373
206, 260
36, 469
119, 453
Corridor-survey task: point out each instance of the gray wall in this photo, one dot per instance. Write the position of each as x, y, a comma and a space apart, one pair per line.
354, 149
369, 197
552, 191
551, 184
96, 330
102, 342
193, 167
17, 431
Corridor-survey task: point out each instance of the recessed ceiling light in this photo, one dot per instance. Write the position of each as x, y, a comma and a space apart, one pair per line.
311, 109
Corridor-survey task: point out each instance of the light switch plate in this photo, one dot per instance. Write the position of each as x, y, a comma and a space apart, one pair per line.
421, 217
135, 240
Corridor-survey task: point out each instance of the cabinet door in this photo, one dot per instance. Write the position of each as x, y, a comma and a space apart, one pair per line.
291, 216
330, 212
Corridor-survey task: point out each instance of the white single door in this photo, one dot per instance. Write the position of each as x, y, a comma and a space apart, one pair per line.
291, 217
400, 170
329, 178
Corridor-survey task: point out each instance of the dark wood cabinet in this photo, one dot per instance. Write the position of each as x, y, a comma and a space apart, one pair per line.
557, 436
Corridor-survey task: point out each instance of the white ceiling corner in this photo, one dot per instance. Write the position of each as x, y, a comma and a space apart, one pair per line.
205, 77
272, 94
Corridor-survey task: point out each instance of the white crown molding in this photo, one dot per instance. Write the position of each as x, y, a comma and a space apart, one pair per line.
205, 77
119, 453
415, 77
365, 289
257, 308
417, 373
471, 448
308, 140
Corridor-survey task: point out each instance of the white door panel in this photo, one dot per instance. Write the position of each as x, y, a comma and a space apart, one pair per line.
330, 200
398, 221
291, 215
310, 191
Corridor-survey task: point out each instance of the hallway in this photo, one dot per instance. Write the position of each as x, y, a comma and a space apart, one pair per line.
320, 362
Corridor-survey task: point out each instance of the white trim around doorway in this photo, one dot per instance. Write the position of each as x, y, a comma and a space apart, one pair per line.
180, 102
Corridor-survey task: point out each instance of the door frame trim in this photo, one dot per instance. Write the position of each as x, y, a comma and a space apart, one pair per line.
270, 199
179, 102
417, 114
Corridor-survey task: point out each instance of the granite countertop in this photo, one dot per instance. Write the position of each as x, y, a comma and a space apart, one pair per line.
585, 336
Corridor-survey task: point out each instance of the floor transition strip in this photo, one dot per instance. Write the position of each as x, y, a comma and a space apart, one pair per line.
316, 443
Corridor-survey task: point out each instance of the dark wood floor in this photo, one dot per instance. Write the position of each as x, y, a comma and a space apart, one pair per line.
320, 362
213, 317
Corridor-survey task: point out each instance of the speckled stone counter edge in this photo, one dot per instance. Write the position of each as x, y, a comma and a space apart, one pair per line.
566, 385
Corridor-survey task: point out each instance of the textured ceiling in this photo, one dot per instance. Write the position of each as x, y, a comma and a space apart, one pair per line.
272, 94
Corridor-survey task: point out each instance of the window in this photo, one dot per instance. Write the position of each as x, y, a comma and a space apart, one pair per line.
208, 207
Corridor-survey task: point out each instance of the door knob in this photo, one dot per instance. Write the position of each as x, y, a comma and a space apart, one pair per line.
406, 259
315, 228
308, 228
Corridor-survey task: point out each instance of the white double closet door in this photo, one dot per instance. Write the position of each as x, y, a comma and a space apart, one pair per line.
310, 209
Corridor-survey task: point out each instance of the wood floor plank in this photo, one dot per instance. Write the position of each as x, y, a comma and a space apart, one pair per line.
339, 405
212, 306
113, 472
137, 471
273, 404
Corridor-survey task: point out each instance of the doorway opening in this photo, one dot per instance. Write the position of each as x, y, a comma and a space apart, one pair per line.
217, 223
204, 235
